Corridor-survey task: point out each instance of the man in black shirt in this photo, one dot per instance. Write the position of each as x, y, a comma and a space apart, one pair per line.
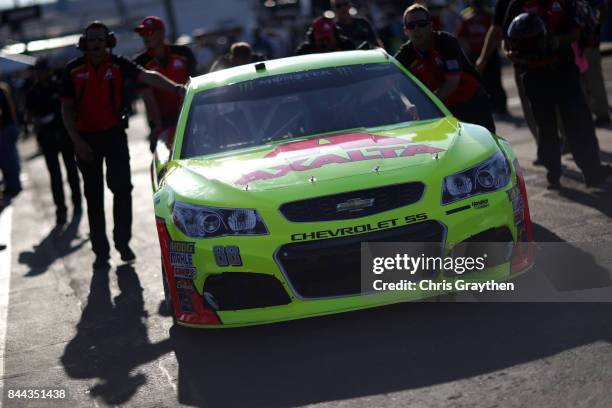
324, 36
91, 93
357, 29
551, 82
241, 53
491, 44
44, 108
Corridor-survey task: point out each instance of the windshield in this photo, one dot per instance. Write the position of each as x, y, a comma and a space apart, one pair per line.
298, 104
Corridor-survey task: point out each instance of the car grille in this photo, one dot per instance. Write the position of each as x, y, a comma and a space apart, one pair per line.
325, 208
332, 267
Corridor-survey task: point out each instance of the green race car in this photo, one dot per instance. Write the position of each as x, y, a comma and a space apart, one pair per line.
278, 171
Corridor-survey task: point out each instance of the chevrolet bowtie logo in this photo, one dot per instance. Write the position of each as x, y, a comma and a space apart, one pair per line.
355, 204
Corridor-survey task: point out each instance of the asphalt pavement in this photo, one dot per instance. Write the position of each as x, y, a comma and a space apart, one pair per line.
104, 340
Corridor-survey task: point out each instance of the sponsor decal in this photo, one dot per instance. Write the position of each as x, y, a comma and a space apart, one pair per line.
186, 299
513, 193
181, 259
186, 273
108, 74
182, 246
480, 203
184, 284
82, 76
177, 64
305, 155
518, 206
358, 229
227, 256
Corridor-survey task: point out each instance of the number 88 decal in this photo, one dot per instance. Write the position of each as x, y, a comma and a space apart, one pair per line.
227, 256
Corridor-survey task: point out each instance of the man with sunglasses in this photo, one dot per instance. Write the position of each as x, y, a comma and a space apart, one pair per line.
92, 97
436, 59
175, 62
357, 29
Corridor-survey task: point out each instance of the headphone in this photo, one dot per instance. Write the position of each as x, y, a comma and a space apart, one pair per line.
110, 39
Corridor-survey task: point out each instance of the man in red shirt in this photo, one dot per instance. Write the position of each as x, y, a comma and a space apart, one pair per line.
175, 62
92, 93
436, 59
324, 36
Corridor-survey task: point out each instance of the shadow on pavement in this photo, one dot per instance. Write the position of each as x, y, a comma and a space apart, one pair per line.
57, 244
600, 199
384, 350
112, 338
567, 266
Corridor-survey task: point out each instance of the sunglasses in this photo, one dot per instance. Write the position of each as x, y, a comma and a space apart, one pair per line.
419, 23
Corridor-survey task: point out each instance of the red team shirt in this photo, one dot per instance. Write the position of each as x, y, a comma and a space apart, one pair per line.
97, 91
178, 66
444, 57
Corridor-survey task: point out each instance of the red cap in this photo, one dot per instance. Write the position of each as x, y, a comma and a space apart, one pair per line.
323, 27
150, 23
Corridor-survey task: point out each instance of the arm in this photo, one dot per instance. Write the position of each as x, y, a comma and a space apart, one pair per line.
192, 64
374, 39
153, 114
492, 41
156, 80
83, 150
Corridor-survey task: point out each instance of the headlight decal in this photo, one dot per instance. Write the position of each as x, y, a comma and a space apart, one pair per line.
208, 222
493, 174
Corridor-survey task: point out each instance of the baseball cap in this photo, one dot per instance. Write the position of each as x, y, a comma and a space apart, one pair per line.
323, 27
150, 23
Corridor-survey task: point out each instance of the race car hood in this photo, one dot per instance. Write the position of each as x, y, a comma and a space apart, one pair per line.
417, 151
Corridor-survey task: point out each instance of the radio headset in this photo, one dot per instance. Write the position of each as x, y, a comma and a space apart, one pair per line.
111, 39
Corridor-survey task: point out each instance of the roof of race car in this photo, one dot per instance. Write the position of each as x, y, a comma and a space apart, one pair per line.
286, 65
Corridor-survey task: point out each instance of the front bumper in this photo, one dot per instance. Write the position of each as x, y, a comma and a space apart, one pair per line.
272, 283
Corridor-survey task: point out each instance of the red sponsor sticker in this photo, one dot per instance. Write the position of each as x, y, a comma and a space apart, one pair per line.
359, 146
